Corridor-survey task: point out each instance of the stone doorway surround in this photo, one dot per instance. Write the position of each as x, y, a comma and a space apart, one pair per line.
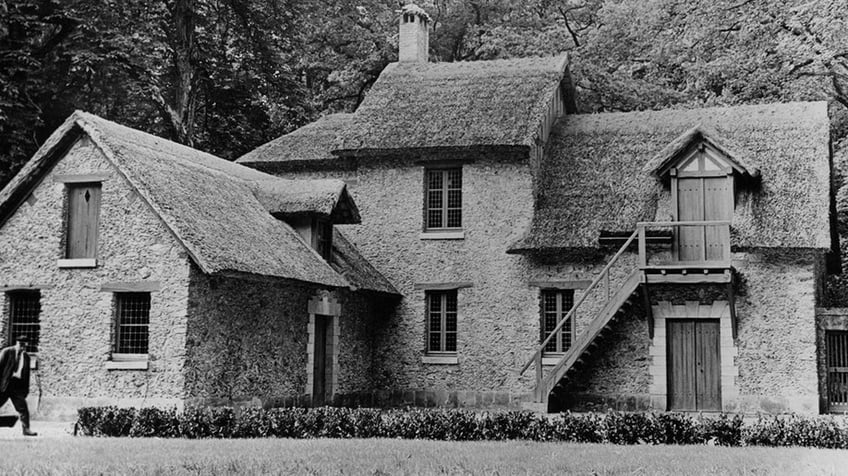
720, 310
330, 307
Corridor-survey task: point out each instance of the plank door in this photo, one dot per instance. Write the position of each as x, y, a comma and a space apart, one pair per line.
716, 207
837, 370
320, 360
83, 216
681, 365
694, 365
703, 199
690, 207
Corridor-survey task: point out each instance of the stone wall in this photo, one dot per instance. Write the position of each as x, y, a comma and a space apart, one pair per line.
775, 307
248, 341
498, 315
77, 318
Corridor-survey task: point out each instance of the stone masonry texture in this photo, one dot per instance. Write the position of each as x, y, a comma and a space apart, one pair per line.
77, 318
243, 339
498, 315
247, 341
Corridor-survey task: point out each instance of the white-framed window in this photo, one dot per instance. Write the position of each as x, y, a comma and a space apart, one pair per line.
441, 321
443, 199
132, 323
555, 306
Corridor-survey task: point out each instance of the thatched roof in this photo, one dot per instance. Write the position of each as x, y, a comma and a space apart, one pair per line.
454, 105
430, 106
292, 198
595, 177
738, 157
356, 269
313, 141
208, 204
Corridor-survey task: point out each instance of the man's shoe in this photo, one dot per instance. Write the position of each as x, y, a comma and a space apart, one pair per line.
28, 432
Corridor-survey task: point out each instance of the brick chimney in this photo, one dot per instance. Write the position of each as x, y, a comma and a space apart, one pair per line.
414, 39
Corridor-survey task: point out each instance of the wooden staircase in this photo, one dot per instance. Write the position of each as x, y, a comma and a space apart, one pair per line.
587, 339
615, 303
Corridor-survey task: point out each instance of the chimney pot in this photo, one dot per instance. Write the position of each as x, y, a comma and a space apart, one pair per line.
414, 38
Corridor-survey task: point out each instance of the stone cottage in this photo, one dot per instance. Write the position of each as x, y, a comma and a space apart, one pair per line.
149, 273
462, 239
666, 260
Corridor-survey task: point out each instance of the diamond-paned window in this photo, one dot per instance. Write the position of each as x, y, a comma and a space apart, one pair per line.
132, 322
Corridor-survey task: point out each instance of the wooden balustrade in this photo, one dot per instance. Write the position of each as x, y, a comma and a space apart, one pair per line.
545, 384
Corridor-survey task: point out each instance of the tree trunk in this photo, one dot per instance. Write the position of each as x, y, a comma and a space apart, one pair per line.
182, 111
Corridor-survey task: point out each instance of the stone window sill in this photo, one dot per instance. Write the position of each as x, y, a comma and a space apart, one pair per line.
440, 359
127, 362
33, 362
78, 263
551, 359
442, 235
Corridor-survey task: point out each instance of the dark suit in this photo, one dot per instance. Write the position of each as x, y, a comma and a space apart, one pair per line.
11, 388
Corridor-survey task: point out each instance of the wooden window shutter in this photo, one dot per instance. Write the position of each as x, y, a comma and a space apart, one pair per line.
83, 220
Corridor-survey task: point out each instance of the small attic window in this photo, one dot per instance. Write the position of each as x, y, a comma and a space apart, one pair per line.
322, 238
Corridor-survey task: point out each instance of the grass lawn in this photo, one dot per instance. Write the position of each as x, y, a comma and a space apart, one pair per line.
381, 457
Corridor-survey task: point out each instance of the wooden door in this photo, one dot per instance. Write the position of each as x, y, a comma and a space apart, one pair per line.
837, 370
320, 360
703, 198
690, 207
681, 365
83, 215
694, 365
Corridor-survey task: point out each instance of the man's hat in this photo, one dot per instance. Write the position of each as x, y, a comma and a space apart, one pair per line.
22, 338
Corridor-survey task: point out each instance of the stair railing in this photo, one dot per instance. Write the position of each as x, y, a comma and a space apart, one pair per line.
537, 356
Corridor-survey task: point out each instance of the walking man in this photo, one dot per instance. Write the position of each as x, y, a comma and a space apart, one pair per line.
14, 380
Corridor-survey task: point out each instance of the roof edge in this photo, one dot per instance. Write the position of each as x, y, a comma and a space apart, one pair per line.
92, 131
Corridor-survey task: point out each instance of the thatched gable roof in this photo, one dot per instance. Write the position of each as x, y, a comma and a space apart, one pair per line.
595, 177
738, 157
498, 103
313, 141
206, 202
433, 106
356, 269
292, 198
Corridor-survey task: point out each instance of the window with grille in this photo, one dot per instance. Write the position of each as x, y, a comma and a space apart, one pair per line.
443, 195
555, 305
441, 321
24, 311
132, 321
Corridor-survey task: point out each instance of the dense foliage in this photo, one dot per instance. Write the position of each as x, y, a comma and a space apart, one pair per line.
228, 75
462, 425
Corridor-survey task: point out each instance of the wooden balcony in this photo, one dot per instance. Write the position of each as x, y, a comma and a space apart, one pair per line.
700, 253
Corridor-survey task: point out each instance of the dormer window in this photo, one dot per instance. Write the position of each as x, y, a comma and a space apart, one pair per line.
701, 170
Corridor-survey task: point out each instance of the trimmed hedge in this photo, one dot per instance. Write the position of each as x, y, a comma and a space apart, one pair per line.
463, 425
